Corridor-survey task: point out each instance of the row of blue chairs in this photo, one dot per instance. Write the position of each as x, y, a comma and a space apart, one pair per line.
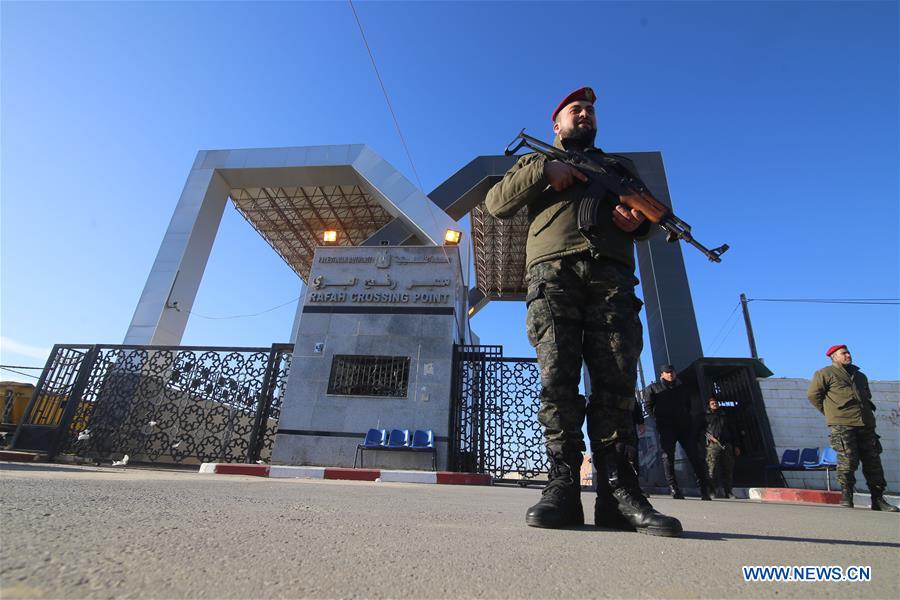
422, 440
809, 459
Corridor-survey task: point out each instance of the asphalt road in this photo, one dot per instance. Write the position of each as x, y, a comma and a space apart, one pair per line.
80, 532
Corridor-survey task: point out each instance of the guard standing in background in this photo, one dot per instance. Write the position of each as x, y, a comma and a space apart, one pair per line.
840, 391
669, 402
722, 446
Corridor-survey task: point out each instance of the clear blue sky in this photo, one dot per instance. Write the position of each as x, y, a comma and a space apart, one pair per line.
778, 124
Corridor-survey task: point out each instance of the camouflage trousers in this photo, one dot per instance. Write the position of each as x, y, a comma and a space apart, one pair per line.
582, 309
720, 460
855, 444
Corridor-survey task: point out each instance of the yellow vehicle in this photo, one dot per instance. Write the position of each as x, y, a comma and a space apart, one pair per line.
14, 397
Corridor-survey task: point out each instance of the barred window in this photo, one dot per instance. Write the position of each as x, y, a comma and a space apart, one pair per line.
386, 376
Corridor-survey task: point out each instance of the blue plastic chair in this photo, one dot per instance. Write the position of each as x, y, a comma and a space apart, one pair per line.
375, 438
828, 458
423, 441
828, 463
423, 438
809, 457
399, 438
791, 458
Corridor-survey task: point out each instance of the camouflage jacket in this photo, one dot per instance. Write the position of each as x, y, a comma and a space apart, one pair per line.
843, 396
553, 216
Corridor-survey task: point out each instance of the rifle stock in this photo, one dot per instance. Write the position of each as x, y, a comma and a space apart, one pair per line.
631, 191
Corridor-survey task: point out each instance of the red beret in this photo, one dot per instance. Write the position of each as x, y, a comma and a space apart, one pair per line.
834, 349
584, 93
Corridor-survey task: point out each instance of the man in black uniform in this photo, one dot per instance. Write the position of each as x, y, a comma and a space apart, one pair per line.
669, 402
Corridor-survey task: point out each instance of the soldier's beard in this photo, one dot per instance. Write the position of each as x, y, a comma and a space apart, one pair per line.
578, 138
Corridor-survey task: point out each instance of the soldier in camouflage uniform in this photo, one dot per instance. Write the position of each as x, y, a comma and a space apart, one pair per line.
581, 306
840, 391
723, 439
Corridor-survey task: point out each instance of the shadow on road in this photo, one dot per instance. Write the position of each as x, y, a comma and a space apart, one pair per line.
719, 537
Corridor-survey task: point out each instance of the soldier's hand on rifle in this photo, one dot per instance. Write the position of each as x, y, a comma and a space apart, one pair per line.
560, 175
627, 219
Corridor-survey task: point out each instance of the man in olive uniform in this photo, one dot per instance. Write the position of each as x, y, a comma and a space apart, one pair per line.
840, 391
723, 438
669, 402
581, 306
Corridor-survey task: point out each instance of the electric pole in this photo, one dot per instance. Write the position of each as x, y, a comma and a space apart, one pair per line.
750, 337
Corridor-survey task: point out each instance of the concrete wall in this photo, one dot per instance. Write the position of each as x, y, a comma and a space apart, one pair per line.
796, 424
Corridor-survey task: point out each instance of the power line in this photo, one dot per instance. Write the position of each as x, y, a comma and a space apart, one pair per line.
21, 367
727, 335
883, 301
20, 373
428, 204
384, 91
725, 324
247, 315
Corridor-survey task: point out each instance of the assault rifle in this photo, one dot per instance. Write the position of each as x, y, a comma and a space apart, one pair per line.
631, 190
711, 438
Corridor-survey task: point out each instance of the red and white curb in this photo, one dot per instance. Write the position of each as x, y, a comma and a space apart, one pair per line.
794, 495
17, 456
441, 477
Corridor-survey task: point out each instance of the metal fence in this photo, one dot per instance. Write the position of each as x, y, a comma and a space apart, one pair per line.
495, 429
157, 404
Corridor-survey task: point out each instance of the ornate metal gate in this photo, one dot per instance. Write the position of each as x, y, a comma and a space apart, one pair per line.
494, 426
157, 404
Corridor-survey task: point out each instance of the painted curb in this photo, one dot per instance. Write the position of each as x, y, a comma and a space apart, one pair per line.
398, 476
305, 472
17, 456
237, 469
409, 476
795, 495
353, 474
463, 478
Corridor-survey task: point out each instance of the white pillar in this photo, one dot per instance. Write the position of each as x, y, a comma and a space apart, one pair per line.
162, 311
296, 326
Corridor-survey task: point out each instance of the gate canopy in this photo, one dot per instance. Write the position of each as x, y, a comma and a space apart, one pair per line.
292, 218
291, 196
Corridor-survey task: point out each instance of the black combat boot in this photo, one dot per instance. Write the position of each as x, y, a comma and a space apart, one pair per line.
729, 493
676, 492
847, 498
721, 493
560, 504
606, 507
633, 505
705, 485
879, 503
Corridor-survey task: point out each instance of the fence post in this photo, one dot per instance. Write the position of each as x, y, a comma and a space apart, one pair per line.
35, 394
74, 399
263, 406
454, 461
